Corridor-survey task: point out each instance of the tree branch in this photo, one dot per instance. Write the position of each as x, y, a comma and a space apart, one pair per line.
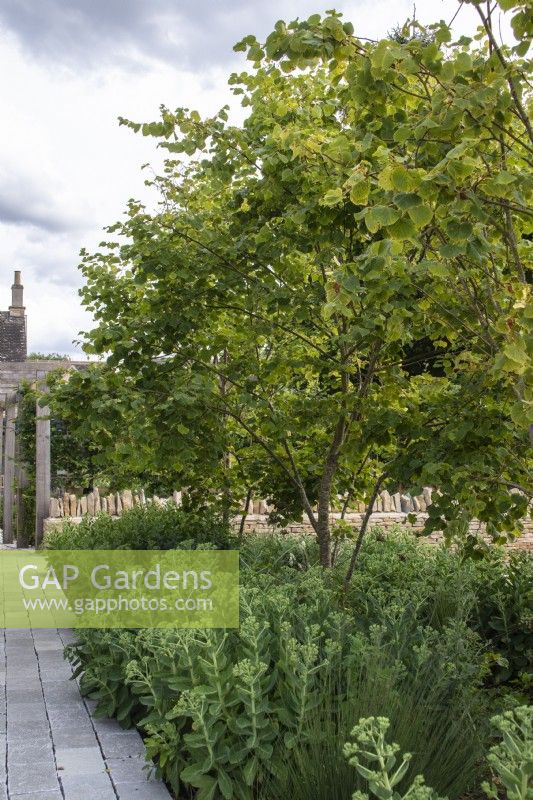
362, 530
518, 104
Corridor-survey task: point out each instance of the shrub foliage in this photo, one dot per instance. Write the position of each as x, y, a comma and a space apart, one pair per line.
262, 711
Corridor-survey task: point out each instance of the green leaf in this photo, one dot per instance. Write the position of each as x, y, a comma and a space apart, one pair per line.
359, 192
516, 353
332, 197
250, 771
448, 71
522, 48
459, 170
401, 179
452, 250
403, 229
385, 178
496, 188
438, 269
403, 133
429, 54
380, 217
459, 231
407, 200
192, 774
255, 53
463, 62
421, 215
522, 415
458, 150
505, 177
381, 792
443, 34
208, 789
225, 784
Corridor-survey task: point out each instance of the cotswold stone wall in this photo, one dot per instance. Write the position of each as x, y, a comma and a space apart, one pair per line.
96, 502
259, 523
389, 510
75, 506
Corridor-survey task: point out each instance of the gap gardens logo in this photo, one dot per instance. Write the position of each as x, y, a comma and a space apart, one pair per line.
119, 589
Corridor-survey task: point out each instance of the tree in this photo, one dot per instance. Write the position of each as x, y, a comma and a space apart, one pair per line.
340, 284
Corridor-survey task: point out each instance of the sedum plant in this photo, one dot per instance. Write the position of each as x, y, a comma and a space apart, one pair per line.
378, 762
258, 712
512, 758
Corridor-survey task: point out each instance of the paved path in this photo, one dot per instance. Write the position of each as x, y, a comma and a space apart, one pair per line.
52, 748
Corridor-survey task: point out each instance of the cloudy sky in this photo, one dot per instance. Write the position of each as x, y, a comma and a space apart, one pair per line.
68, 69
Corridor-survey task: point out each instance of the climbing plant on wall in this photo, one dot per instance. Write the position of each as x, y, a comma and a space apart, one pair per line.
71, 458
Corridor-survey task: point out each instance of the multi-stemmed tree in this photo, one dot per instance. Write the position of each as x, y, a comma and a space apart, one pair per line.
335, 294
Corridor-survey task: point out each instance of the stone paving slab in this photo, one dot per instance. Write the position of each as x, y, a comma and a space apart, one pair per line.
25, 778
129, 770
143, 791
121, 745
50, 746
74, 737
89, 787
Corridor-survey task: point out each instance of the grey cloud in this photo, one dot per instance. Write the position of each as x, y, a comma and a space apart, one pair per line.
17, 213
183, 32
24, 202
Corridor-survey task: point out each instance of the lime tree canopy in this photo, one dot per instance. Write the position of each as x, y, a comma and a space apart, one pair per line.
334, 295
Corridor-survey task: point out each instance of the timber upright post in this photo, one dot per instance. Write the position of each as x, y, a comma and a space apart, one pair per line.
9, 467
42, 469
2, 407
21, 483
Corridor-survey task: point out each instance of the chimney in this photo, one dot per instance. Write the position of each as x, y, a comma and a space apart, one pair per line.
16, 309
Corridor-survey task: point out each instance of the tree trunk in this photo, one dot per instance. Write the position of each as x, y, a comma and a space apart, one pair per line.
226, 461
226, 500
324, 535
245, 513
324, 494
323, 531
362, 530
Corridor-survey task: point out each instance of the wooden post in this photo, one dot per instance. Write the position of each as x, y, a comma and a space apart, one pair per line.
9, 468
2, 415
42, 470
2, 402
22, 483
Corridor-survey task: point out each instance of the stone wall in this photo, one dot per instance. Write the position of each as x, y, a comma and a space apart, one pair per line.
259, 523
389, 510
96, 502
77, 506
